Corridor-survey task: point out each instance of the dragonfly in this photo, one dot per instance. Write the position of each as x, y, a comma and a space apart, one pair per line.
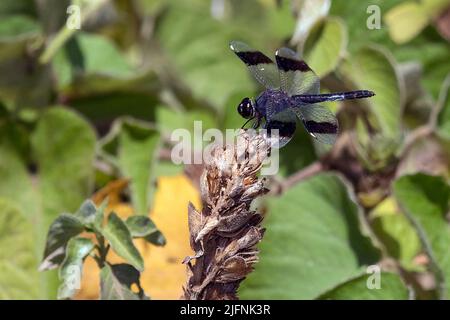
292, 90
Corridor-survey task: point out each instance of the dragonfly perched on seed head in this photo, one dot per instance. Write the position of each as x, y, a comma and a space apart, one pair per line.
292, 90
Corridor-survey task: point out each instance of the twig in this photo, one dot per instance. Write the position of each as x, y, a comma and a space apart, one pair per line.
414, 136
430, 127
301, 175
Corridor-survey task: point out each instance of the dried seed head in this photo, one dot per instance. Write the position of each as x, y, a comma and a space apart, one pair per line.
225, 233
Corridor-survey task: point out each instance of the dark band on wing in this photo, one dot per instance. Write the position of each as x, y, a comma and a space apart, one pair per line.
321, 127
287, 64
285, 129
252, 58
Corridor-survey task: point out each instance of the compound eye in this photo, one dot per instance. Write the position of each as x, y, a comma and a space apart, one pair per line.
245, 108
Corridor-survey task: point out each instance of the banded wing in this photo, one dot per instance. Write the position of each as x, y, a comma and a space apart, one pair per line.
280, 125
260, 66
296, 76
320, 122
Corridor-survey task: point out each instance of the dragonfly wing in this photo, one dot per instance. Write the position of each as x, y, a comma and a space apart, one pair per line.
281, 127
319, 121
296, 77
260, 66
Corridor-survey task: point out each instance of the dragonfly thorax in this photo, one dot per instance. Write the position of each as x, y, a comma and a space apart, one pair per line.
278, 101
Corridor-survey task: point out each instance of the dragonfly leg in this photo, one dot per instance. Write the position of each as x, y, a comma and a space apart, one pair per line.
257, 122
247, 122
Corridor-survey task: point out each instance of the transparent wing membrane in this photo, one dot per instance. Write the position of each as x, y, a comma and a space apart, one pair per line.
320, 122
296, 77
260, 66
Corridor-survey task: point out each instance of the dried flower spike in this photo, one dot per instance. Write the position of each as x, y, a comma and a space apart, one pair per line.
224, 235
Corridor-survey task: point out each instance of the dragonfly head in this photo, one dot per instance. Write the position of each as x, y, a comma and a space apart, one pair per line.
246, 108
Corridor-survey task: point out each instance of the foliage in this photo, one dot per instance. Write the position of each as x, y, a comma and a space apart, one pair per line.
83, 111
66, 249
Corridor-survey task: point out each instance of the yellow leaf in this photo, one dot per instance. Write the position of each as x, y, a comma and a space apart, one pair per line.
164, 275
406, 21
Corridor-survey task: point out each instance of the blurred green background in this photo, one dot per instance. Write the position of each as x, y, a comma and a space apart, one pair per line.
80, 108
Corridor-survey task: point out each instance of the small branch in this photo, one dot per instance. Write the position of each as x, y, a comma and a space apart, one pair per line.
416, 135
102, 251
165, 154
98, 260
430, 127
301, 175
443, 95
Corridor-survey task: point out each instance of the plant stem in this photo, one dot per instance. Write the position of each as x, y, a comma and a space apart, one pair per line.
102, 251
301, 175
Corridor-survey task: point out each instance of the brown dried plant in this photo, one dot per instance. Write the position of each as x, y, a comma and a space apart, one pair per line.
225, 233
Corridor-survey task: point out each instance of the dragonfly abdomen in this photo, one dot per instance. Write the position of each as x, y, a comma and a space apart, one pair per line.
338, 96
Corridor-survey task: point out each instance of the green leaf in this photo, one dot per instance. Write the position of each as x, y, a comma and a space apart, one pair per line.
87, 213
137, 153
422, 13
64, 146
10, 7
16, 26
167, 169
434, 7
18, 88
373, 68
399, 18
134, 147
425, 200
87, 8
140, 226
209, 40
65, 227
313, 242
19, 278
156, 238
100, 215
357, 16
437, 52
100, 57
143, 227
59, 168
329, 48
308, 14
396, 233
116, 281
169, 119
71, 269
443, 117
13, 169
391, 288
118, 235
109, 101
